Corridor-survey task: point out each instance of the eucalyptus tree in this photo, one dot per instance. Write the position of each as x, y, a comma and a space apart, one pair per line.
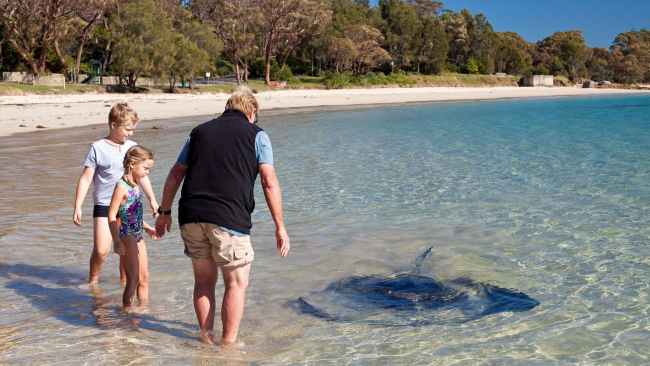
287, 24
512, 54
34, 28
143, 39
632, 50
235, 23
564, 53
400, 29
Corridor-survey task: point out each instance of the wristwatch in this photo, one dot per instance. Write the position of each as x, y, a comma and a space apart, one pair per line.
164, 212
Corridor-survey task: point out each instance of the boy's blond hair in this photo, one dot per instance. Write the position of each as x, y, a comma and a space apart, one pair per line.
243, 100
122, 114
136, 154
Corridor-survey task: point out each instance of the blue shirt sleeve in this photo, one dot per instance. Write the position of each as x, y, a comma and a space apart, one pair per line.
183, 155
263, 148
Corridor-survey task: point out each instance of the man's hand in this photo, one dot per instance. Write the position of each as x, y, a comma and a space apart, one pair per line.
163, 225
282, 241
76, 216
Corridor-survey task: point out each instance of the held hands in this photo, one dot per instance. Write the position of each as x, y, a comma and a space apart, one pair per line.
152, 232
163, 225
76, 216
282, 241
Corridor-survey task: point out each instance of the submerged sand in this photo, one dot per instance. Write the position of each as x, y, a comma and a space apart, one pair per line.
33, 112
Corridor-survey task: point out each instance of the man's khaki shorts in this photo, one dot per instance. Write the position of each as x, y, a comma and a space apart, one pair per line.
209, 241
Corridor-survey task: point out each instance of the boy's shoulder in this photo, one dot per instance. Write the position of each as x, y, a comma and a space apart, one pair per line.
102, 143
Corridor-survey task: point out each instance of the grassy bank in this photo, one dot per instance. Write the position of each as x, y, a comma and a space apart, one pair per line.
332, 81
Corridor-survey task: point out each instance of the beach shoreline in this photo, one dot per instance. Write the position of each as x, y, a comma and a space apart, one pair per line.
28, 113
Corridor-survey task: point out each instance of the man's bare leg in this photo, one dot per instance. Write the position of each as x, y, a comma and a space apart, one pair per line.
101, 246
205, 279
232, 308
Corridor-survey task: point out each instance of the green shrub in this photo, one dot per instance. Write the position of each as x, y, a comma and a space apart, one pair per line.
472, 66
400, 78
337, 80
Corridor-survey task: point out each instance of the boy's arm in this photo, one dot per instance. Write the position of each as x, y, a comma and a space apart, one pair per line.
173, 181
273, 195
113, 221
82, 189
145, 183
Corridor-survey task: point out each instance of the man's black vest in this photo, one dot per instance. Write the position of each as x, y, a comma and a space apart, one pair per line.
221, 173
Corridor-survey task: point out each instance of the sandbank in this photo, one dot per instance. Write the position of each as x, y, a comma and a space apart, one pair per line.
27, 113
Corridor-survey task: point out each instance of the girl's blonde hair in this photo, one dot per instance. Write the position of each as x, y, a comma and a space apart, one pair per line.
122, 114
243, 100
134, 155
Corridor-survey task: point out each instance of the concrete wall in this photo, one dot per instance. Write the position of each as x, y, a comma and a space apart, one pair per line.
26, 78
114, 80
539, 80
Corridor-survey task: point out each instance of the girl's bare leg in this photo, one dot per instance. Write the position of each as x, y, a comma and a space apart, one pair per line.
122, 271
143, 280
132, 266
101, 246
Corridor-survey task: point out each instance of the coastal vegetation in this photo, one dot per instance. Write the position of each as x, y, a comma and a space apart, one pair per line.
295, 44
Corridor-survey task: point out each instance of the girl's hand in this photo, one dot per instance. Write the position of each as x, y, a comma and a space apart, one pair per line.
152, 232
76, 216
154, 209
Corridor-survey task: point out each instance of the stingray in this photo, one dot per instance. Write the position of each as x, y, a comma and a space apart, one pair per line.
410, 298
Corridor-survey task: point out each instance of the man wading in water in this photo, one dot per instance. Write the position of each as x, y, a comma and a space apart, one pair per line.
219, 164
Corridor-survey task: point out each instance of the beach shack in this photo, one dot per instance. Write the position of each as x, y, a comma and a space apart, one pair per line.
538, 80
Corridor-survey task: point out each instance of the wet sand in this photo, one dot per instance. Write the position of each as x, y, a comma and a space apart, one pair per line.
38, 112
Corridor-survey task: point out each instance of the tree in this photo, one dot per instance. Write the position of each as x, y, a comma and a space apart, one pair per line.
400, 29
512, 54
34, 28
234, 22
632, 55
458, 37
286, 24
143, 40
565, 54
600, 64
430, 43
89, 14
482, 41
368, 52
195, 50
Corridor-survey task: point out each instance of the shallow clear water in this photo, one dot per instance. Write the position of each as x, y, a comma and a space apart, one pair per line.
547, 196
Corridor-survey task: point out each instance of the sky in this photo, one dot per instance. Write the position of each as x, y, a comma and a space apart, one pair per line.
599, 20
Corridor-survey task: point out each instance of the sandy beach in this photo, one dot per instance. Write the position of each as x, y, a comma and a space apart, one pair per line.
27, 113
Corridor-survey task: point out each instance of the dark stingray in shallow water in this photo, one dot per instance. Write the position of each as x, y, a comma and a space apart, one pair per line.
410, 299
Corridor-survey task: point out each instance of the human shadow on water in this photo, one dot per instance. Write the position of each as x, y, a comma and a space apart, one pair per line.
78, 307
51, 274
410, 299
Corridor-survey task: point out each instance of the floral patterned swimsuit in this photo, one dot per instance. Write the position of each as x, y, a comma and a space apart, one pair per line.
130, 212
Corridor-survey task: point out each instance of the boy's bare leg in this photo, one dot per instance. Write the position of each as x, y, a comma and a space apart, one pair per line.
205, 279
232, 308
132, 266
101, 246
143, 280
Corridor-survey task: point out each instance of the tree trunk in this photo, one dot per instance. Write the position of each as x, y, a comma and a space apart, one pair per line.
267, 59
61, 56
82, 42
237, 72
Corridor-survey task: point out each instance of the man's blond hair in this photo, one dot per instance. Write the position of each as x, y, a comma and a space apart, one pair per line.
122, 114
243, 100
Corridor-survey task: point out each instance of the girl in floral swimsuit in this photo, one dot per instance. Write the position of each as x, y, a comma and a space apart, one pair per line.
127, 225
